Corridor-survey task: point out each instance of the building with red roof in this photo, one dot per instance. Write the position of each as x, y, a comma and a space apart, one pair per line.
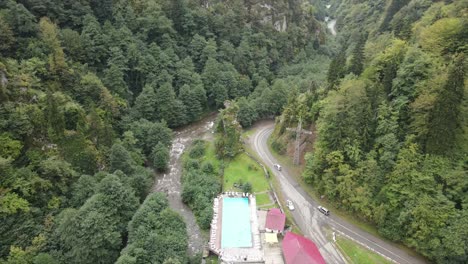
300, 250
275, 221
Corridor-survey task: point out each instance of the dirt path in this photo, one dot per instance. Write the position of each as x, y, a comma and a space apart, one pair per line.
169, 182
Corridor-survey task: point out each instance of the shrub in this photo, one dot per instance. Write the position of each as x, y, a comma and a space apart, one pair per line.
247, 187
197, 150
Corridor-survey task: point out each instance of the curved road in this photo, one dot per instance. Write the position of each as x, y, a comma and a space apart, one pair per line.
314, 224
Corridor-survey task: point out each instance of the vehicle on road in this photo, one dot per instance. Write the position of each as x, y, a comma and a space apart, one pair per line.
323, 210
290, 205
277, 166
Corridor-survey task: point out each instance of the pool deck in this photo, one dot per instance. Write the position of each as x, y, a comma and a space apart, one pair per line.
253, 254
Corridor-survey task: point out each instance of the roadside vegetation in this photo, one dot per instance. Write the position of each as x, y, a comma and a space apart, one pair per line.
359, 255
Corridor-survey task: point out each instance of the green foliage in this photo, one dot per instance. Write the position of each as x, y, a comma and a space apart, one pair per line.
10, 203
9, 148
197, 149
337, 69
446, 118
247, 114
150, 134
247, 187
49, 33
6, 34
160, 156
91, 87
228, 142
200, 185
444, 36
93, 233
156, 233
390, 138
120, 159
357, 60
169, 108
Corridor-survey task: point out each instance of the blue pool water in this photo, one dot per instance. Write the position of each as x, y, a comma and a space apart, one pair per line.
236, 230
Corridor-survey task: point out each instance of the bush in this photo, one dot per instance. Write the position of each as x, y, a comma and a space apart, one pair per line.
278, 146
252, 167
191, 164
208, 168
160, 156
197, 150
247, 187
200, 184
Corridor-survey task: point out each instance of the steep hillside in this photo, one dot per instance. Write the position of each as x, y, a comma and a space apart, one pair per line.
89, 93
391, 122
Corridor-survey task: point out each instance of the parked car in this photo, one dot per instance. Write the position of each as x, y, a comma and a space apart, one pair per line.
324, 210
277, 166
290, 205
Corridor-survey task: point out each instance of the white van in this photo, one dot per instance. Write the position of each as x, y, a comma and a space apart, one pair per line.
324, 210
277, 166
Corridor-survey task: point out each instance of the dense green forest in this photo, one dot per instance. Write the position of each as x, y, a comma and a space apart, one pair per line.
391, 123
89, 93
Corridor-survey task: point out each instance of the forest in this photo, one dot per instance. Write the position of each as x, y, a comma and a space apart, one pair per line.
90, 91
390, 123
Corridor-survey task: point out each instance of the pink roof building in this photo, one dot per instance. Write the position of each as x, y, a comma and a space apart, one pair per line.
299, 250
275, 221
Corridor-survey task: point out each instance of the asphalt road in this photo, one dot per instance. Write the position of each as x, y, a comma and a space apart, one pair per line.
313, 223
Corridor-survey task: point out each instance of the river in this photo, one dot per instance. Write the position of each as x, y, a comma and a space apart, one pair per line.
331, 26
170, 182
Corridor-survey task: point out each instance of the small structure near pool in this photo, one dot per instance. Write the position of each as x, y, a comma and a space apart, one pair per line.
275, 221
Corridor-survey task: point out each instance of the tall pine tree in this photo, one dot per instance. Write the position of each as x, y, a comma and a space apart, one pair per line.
446, 116
357, 61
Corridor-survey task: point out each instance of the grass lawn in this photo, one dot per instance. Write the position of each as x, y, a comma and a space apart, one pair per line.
244, 169
263, 199
247, 133
210, 154
358, 254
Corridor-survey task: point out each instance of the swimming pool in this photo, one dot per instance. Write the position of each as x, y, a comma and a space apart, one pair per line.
236, 230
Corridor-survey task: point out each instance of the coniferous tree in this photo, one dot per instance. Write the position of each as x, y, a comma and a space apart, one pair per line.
357, 59
50, 37
93, 234
55, 118
393, 8
7, 37
146, 104
114, 80
168, 107
93, 42
189, 99
336, 71
445, 120
196, 47
120, 159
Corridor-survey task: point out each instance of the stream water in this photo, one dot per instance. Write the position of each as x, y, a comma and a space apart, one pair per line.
331, 23
170, 182
331, 26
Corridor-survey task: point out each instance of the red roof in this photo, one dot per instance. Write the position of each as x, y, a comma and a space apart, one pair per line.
299, 250
275, 219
